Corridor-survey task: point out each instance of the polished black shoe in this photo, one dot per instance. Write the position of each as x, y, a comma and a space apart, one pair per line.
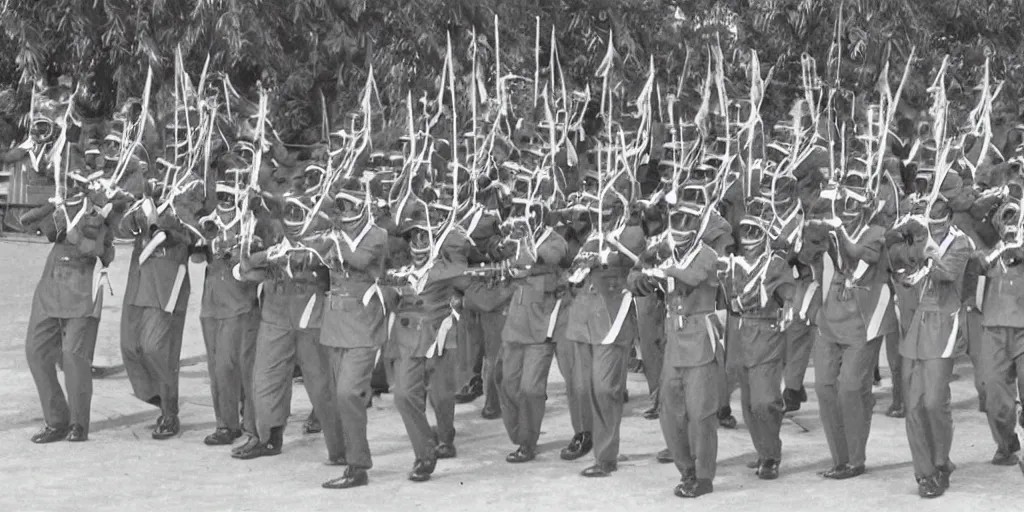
664, 457
929, 487
769, 469
353, 477
600, 469
896, 410
694, 487
312, 425
843, 472
490, 413
272, 447
726, 419
222, 436
445, 451
471, 391
77, 434
50, 435
945, 473
167, 428
791, 398
580, 445
652, 413
421, 470
522, 454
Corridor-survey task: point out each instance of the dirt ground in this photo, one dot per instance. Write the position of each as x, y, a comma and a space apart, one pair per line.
122, 468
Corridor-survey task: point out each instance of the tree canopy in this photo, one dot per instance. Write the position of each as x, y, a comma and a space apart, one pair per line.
302, 48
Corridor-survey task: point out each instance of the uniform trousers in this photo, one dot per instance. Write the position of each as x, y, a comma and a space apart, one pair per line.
231, 355
351, 369
522, 382
843, 376
480, 343
929, 415
151, 350
415, 380
70, 343
277, 350
600, 371
650, 314
895, 360
971, 327
577, 388
688, 416
1001, 362
799, 342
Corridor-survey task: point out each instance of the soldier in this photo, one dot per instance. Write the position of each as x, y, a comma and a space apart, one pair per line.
294, 285
856, 314
602, 322
686, 270
156, 298
422, 346
66, 310
229, 318
526, 354
933, 262
354, 325
760, 283
1001, 353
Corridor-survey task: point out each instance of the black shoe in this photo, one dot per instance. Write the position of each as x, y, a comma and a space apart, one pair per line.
600, 469
803, 394
694, 487
945, 472
769, 469
929, 487
380, 391
896, 410
353, 477
471, 391
421, 470
77, 434
444, 451
664, 457
167, 428
256, 449
490, 413
222, 436
791, 398
1004, 458
728, 421
312, 425
652, 413
100, 372
843, 472
522, 454
50, 435
580, 445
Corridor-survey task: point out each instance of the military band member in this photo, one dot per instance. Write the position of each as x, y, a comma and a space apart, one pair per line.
229, 317
295, 282
66, 311
355, 322
693, 333
855, 316
760, 284
526, 353
423, 337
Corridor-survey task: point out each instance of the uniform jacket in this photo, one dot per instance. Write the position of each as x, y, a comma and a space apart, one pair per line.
933, 332
224, 296
597, 300
162, 280
533, 298
355, 314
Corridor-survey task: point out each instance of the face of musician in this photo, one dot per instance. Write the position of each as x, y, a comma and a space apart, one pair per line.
939, 220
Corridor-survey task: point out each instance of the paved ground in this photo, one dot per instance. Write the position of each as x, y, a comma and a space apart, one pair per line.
122, 468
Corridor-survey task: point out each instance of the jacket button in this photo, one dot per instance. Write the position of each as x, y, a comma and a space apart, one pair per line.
405, 322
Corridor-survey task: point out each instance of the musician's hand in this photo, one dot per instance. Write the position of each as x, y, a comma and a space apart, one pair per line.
646, 285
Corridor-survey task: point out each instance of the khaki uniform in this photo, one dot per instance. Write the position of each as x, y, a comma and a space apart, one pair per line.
1001, 354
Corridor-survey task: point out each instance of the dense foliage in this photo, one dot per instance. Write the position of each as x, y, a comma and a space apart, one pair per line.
301, 48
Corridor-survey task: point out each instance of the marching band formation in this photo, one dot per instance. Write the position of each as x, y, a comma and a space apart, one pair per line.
570, 232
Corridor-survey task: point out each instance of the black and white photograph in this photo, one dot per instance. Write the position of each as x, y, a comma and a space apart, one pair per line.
511, 255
